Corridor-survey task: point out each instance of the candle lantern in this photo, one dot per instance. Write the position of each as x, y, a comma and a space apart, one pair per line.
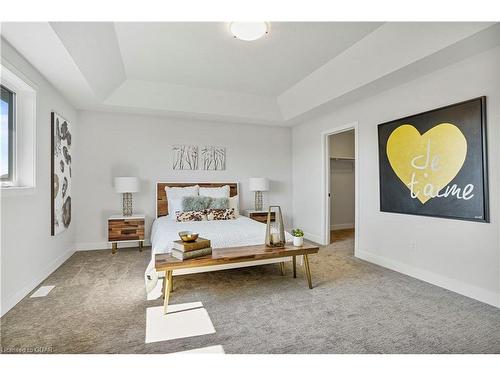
275, 231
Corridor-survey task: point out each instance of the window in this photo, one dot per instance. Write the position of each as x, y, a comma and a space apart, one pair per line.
7, 117
17, 132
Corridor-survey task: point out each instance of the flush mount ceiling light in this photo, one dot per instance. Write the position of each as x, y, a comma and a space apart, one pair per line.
248, 30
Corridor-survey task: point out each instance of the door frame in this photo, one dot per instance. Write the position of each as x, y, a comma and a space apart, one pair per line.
326, 181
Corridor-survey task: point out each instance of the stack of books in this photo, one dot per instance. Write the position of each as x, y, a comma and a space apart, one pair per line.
189, 250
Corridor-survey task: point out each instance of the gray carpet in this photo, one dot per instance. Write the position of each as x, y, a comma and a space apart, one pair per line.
99, 306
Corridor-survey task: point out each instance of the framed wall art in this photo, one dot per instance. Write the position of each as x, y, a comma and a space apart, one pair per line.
185, 157
214, 158
435, 163
61, 142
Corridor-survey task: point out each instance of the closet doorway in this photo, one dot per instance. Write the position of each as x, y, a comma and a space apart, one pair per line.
340, 185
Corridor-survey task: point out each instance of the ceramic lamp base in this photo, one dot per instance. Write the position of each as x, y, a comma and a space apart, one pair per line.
127, 204
258, 201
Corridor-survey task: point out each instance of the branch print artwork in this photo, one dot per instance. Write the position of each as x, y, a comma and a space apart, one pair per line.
185, 157
214, 158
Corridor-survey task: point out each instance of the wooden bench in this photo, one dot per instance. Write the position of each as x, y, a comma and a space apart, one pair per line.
167, 263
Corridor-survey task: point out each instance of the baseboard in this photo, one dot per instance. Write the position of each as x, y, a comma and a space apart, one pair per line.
342, 226
13, 300
88, 246
313, 237
456, 286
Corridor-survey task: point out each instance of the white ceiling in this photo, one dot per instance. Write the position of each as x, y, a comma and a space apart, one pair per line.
205, 55
199, 70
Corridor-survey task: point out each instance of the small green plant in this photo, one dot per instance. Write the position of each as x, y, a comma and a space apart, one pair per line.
297, 232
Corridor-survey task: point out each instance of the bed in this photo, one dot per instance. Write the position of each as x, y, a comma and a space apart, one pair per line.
222, 233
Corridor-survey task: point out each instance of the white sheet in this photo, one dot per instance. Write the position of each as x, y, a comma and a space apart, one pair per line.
222, 233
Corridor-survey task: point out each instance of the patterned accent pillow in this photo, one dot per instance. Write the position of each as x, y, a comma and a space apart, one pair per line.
191, 216
221, 214
219, 203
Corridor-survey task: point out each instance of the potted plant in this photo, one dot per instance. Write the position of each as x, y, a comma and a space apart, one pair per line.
298, 237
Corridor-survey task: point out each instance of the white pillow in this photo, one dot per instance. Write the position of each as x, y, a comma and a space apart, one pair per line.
179, 192
216, 192
234, 202
174, 198
174, 205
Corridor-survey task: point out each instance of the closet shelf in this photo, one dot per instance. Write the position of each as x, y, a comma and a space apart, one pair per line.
342, 158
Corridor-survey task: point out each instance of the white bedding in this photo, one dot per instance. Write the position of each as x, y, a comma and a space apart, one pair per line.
222, 233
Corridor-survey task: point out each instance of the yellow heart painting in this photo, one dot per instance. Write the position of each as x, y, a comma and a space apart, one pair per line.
426, 163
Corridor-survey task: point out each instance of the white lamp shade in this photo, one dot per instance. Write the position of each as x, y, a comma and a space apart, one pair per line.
126, 184
258, 184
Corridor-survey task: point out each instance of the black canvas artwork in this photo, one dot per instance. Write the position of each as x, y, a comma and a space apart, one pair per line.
435, 163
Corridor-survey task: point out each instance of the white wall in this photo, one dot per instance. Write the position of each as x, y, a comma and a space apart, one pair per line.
459, 255
28, 252
118, 144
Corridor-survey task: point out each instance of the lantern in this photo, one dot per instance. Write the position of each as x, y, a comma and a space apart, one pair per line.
275, 231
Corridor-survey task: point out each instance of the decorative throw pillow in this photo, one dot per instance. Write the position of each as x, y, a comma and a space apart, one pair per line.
191, 216
218, 203
221, 214
196, 203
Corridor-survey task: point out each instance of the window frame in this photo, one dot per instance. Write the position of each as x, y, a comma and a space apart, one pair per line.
9, 96
25, 131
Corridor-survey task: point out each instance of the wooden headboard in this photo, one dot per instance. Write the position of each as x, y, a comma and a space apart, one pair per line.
161, 194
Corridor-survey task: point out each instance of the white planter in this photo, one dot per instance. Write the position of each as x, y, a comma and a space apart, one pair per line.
298, 241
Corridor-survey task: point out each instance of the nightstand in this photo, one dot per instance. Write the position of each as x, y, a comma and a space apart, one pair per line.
260, 216
126, 229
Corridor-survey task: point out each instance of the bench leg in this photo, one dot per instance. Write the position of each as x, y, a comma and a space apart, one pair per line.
166, 289
294, 261
282, 268
308, 271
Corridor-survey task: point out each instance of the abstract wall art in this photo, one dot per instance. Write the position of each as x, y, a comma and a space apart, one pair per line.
185, 157
213, 158
435, 163
61, 142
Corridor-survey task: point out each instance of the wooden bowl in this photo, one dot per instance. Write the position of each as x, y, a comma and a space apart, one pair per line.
188, 236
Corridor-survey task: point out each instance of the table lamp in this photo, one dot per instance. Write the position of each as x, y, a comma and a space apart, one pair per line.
258, 185
127, 186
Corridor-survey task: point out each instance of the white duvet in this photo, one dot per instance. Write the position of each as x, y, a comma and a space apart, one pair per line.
222, 233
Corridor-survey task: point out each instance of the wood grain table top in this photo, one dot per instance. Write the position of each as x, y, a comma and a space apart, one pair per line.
165, 262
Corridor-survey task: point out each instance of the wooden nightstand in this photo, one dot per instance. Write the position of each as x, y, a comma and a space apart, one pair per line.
126, 229
260, 216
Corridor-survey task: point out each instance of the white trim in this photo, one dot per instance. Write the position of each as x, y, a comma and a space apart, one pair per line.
89, 246
325, 207
454, 285
130, 217
312, 237
14, 299
342, 226
25, 132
